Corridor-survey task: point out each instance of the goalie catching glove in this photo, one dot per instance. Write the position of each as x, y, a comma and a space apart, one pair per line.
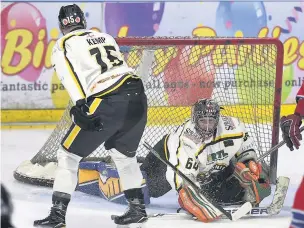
250, 178
82, 117
197, 205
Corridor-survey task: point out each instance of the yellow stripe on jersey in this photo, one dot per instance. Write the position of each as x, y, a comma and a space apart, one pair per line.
219, 139
75, 131
165, 147
202, 147
96, 102
69, 65
71, 137
116, 86
177, 166
229, 136
177, 185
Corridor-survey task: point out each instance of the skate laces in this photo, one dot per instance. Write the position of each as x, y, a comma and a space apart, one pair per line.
134, 205
128, 209
58, 211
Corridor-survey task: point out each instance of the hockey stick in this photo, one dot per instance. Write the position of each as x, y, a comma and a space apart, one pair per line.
244, 209
275, 147
254, 212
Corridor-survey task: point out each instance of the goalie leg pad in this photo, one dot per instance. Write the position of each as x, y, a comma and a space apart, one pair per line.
128, 170
66, 173
197, 205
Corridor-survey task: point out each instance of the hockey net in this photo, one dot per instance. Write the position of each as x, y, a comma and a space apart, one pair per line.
243, 75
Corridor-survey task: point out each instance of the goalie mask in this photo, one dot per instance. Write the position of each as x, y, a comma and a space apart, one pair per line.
205, 115
71, 18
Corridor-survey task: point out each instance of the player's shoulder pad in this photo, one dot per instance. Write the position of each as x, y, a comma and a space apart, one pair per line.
57, 45
55, 56
189, 132
69, 37
187, 124
183, 126
231, 123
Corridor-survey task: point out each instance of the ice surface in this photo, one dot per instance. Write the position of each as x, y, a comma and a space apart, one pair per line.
31, 202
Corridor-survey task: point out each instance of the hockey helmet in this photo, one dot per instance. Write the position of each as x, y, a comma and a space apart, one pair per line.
205, 116
71, 18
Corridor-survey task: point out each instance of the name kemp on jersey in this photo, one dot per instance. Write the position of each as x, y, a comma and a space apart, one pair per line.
94, 41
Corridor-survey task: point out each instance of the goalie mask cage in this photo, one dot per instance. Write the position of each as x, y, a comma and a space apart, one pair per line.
244, 75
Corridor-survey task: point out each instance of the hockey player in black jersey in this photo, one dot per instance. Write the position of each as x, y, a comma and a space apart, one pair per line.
110, 107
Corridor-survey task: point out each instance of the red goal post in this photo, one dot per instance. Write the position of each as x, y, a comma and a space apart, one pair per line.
243, 74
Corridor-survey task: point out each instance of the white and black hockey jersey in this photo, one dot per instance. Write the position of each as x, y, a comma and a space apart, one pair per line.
88, 63
186, 150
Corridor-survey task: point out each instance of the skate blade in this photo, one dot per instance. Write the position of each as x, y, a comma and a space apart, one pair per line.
133, 225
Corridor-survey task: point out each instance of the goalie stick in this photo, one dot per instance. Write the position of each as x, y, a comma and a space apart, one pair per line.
254, 212
274, 208
241, 211
275, 147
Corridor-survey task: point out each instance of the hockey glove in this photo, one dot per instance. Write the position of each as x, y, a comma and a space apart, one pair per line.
290, 126
80, 116
197, 205
257, 188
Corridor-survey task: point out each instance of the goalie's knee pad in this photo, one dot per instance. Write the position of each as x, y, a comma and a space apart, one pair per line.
66, 174
128, 170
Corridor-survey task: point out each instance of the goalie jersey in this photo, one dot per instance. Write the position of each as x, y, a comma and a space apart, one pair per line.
89, 63
186, 150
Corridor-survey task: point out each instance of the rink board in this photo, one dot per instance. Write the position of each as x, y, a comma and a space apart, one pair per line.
156, 115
